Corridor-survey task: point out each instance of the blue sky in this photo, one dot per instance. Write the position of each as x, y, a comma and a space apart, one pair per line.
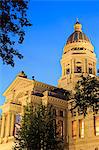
43, 45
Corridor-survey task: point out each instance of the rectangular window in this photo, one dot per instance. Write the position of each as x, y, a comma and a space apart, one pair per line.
81, 128
60, 127
96, 125
17, 124
74, 128
61, 113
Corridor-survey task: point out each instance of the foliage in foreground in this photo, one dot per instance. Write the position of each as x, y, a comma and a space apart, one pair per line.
87, 94
38, 130
13, 19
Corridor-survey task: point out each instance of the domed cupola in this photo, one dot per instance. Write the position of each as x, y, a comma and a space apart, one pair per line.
78, 58
77, 35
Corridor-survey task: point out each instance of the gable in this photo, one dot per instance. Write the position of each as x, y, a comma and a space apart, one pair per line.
18, 84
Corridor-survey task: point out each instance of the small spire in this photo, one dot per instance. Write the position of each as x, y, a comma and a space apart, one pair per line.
77, 20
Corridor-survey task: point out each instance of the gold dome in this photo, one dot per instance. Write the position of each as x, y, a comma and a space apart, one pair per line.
77, 35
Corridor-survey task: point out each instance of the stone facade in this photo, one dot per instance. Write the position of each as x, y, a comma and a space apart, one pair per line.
79, 133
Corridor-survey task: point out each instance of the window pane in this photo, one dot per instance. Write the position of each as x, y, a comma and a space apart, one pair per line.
17, 124
81, 128
60, 128
74, 128
97, 125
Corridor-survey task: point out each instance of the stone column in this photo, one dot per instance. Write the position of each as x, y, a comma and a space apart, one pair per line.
12, 124
2, 125
8, 124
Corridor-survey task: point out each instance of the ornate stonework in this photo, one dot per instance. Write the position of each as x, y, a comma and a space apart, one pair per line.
79, 133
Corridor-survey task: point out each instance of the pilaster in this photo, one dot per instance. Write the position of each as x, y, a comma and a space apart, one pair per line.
12, 124
8, 124
3, 125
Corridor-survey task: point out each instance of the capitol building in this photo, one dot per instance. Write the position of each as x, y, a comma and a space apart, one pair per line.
79, 133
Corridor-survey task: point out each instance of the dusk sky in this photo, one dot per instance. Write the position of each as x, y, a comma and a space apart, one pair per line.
42, 49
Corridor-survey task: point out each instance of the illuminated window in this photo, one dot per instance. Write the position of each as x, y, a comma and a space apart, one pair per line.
96, 125
74, 128
60, 128
81, 128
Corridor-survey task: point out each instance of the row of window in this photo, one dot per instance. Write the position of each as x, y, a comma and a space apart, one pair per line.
78, 112
78, 69
78, 48
82, 127
59, 124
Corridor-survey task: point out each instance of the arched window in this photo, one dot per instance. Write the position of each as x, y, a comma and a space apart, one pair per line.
90, 70
67, 71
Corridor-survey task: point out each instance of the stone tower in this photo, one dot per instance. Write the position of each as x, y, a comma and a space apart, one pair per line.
78, 58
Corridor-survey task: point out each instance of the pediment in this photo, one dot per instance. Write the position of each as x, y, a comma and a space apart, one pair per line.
18, 84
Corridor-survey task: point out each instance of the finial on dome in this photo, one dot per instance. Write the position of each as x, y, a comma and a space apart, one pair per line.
77, 20
77, 25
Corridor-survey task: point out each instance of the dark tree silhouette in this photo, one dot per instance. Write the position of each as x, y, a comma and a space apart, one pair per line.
38, 130
87, 94
13, 19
